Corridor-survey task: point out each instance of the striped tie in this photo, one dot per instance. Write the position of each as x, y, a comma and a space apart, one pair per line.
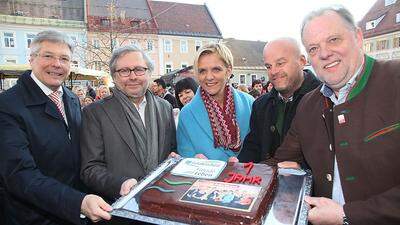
55, 97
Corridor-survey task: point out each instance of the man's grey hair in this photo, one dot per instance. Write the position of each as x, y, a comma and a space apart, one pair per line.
339, 9
50, 36
121, 51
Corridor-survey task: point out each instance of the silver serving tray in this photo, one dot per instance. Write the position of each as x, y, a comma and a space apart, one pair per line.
288, 206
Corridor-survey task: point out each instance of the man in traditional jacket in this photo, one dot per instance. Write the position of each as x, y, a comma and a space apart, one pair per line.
348, 129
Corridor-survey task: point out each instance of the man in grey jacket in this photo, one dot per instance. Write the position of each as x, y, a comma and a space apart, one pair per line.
127, 134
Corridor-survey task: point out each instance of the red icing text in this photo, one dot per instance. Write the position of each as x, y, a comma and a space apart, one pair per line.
240, 178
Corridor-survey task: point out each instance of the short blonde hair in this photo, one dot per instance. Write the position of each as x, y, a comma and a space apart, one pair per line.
243, 88
102, 87
220, 49
77, 88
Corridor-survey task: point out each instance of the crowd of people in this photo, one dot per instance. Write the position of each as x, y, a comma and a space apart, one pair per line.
342, 123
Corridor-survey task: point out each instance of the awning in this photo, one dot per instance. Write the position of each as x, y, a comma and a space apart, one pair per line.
77, 73
88, 72
14, 70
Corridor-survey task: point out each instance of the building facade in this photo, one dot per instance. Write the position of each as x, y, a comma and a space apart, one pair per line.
381, 30
182, 30
248, 63
21, 21
112, 23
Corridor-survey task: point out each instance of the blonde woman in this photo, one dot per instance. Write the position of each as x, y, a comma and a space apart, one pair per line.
215, 122
80, 92
102, 92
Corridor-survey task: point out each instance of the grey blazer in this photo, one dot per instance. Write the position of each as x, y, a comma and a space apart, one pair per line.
109, 156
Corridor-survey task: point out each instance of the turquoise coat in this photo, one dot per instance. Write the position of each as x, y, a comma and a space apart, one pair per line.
194, 134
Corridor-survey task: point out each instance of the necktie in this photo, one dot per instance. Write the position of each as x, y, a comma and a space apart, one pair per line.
55, 97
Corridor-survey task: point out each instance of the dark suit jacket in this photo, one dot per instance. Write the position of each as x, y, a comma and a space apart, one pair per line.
172, 100
39, 164
264, 138
109, 155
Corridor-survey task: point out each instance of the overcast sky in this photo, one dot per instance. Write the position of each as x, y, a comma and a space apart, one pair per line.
268, 19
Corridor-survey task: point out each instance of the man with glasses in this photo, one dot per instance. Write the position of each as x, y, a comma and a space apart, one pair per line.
125, 135
39, 151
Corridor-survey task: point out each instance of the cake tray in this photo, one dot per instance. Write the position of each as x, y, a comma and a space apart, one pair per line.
288, 206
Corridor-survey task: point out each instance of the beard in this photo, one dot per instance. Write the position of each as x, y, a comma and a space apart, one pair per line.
141, 92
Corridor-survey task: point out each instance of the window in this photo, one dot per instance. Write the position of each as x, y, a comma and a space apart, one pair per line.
167, 45
389, 2
253, 77
9, 40
105, 22
168, 67
368, 47
148, 24
382, 44
114, 43
29, 39
184, 46
184, 65
373, 23
197, 44
96, 43
396, 42
73, 40
135, 42
135, 24
96, 65
397, 17
74, 63
150, 46
242, 79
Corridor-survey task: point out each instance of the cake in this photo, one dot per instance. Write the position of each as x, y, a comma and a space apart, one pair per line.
239, 194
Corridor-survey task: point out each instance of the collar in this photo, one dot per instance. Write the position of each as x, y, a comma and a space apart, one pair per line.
285, 100
47, 91
165, 93
141, 104
329, 93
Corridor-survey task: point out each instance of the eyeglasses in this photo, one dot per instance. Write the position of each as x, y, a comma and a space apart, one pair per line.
65, 60
138, 71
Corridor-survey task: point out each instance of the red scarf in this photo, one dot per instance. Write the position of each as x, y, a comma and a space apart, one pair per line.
223, 121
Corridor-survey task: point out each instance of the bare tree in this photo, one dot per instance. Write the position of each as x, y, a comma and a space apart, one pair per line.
115, 29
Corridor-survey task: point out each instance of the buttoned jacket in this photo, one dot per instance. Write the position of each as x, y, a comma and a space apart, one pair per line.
39, 156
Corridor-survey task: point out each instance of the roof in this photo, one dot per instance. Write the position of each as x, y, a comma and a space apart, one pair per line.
184, 19
386, 25
129, 16
137, 9
246, 53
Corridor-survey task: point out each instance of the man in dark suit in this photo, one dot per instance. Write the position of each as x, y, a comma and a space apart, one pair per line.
39, 129
125, 135
160, 88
